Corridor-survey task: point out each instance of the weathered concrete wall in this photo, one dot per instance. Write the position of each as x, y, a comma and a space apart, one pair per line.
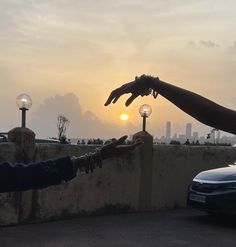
176, 165
114, 187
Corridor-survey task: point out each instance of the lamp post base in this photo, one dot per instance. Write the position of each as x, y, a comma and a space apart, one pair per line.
146, 170
24, 138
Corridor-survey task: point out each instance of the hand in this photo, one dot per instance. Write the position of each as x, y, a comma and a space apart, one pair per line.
116, 149
140, 86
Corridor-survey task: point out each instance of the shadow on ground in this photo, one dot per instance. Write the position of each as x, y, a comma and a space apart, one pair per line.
224, 221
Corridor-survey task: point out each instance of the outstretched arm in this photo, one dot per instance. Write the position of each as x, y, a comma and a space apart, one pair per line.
203, 109
42, 174
36, 175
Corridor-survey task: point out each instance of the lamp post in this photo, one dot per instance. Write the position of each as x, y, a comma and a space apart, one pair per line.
24, 102
145, 157
23, 137
145, 111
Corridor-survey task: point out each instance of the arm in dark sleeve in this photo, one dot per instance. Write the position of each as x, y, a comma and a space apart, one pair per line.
36, 175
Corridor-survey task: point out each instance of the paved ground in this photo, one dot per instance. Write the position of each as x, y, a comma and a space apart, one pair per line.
174, 228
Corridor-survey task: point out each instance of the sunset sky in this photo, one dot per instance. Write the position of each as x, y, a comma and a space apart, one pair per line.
69, 54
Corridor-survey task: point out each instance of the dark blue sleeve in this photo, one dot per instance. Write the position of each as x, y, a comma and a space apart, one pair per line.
35, 175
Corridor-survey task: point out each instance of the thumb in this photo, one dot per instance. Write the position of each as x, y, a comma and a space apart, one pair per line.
121, 140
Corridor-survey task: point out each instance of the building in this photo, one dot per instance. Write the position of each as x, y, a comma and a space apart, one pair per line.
188, 131
195, 136
168, 131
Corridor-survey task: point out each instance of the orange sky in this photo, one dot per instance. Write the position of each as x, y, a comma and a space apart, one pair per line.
88, 48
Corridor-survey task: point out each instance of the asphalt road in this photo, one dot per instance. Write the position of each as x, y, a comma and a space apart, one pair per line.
172, 228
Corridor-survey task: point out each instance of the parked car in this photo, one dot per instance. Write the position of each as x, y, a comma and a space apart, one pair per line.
3, 137
214, 191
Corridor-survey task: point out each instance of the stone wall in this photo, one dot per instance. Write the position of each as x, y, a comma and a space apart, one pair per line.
114, 188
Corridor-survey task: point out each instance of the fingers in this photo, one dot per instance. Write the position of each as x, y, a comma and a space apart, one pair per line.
136, 144
116, 98
120, 141
110, 98
123, 149
115, 94
131, 99
139, 141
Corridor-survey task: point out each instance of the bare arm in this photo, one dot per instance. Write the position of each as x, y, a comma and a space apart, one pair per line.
203, 109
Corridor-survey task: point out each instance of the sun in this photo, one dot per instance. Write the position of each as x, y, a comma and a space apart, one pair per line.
124, 117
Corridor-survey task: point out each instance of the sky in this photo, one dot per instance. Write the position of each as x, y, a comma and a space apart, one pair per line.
68, 55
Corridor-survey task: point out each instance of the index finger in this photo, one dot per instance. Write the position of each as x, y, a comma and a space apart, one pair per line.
114, 94
127, 148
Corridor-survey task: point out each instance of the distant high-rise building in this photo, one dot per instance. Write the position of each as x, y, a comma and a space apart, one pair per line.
195, 136
174, 136
168, 130
188, 131
218, 135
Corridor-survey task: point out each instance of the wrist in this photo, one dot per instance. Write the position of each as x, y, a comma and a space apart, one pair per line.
146, 82
87, 162
154, 83
98, 158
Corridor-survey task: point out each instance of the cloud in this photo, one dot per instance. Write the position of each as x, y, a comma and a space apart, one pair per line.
233, 101
191, 43
82, 124
209, 43
232, 48
203, 43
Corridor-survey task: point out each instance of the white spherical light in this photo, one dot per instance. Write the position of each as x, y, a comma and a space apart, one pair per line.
145, 110
24, 101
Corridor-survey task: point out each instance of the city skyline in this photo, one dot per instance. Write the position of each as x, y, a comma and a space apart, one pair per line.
191, 135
